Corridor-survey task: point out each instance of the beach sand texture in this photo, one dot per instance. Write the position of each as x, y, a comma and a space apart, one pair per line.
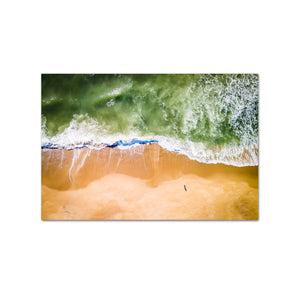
144, 182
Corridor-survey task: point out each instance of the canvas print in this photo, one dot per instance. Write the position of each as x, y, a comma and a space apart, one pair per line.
149, 146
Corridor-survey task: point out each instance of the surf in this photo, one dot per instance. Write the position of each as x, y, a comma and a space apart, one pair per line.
211, 118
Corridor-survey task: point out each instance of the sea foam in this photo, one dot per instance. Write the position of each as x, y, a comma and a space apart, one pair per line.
88, 134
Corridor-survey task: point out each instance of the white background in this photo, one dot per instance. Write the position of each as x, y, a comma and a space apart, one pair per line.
149, 260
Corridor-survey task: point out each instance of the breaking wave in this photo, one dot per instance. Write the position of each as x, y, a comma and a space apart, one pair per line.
80, 135
209, 118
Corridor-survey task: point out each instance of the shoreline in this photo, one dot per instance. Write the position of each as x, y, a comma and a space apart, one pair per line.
232, 155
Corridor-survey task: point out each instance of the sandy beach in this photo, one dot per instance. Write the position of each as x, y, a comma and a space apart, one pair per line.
145, 182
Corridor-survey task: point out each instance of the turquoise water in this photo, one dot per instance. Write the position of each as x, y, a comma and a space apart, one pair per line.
202, 111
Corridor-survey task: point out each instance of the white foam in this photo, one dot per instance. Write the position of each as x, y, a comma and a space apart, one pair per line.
88, 133
236, 155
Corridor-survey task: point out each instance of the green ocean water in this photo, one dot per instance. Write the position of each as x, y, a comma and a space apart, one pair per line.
219, 109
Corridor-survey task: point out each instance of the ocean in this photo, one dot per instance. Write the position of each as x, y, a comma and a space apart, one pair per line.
210, 118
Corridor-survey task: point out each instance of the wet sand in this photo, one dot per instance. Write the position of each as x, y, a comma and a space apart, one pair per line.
144, 183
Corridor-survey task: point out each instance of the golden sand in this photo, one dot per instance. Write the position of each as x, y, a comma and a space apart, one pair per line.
144, 183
